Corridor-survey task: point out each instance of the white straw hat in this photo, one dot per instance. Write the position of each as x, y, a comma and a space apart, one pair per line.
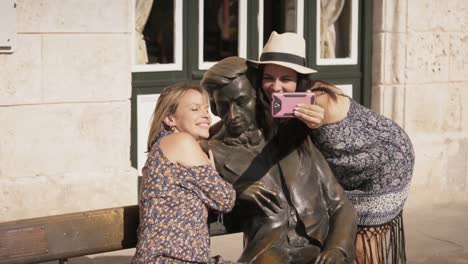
286, 49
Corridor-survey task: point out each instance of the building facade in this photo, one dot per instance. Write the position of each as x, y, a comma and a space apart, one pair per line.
79, 79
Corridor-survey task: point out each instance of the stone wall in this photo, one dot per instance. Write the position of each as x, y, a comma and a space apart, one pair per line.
420, 79
65, 109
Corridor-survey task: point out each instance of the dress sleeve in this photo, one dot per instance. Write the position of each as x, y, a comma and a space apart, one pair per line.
215, 192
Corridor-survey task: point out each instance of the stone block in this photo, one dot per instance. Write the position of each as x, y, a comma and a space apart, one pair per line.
457, 163
428, 173
439, 16
460, 19
376, 98
428, 56
378, 21
46, 195
86, 67
390, 16
389, 58
378, 58
459, 56
21, 73
441, 163
389, 100
434, 107
44, 16
464, 98
56, 139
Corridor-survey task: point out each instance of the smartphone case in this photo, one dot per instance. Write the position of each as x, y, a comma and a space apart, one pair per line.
283, 104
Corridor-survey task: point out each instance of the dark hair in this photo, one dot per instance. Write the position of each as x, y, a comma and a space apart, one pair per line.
289, 135
303, 82
264, 118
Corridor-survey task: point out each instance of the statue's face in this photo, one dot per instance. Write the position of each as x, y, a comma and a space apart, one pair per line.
235, 104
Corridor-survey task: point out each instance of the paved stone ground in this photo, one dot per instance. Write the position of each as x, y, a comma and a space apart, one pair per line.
437, 234
434, 235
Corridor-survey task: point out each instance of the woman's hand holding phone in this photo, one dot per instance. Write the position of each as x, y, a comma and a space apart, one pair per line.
312, 115
301, 105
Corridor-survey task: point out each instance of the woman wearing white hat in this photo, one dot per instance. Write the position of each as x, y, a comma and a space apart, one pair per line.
370, 155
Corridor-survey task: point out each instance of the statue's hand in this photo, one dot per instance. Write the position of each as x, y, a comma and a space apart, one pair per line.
329, 256
265, 198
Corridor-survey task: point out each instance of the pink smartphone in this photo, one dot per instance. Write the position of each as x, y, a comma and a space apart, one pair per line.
283, 104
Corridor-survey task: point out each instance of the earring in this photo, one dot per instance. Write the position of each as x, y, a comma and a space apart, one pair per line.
172, 128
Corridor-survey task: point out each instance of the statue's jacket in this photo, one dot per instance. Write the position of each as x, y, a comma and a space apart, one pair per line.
306, 187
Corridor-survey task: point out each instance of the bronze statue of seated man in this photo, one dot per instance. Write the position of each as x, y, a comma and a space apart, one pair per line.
289, 205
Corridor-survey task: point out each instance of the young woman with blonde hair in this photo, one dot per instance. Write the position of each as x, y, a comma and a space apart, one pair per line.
179, 182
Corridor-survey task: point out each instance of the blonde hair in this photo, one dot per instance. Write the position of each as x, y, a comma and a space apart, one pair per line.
167, 104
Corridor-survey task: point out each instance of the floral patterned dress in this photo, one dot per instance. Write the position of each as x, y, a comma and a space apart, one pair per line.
372, 158
174, 209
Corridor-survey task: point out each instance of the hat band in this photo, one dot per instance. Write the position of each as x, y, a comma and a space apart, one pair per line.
284, 57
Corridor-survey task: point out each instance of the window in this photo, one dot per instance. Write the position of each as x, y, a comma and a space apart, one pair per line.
8, 26
222, 30
183, 38
165, 47
280, 16
337, 24
339, 42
